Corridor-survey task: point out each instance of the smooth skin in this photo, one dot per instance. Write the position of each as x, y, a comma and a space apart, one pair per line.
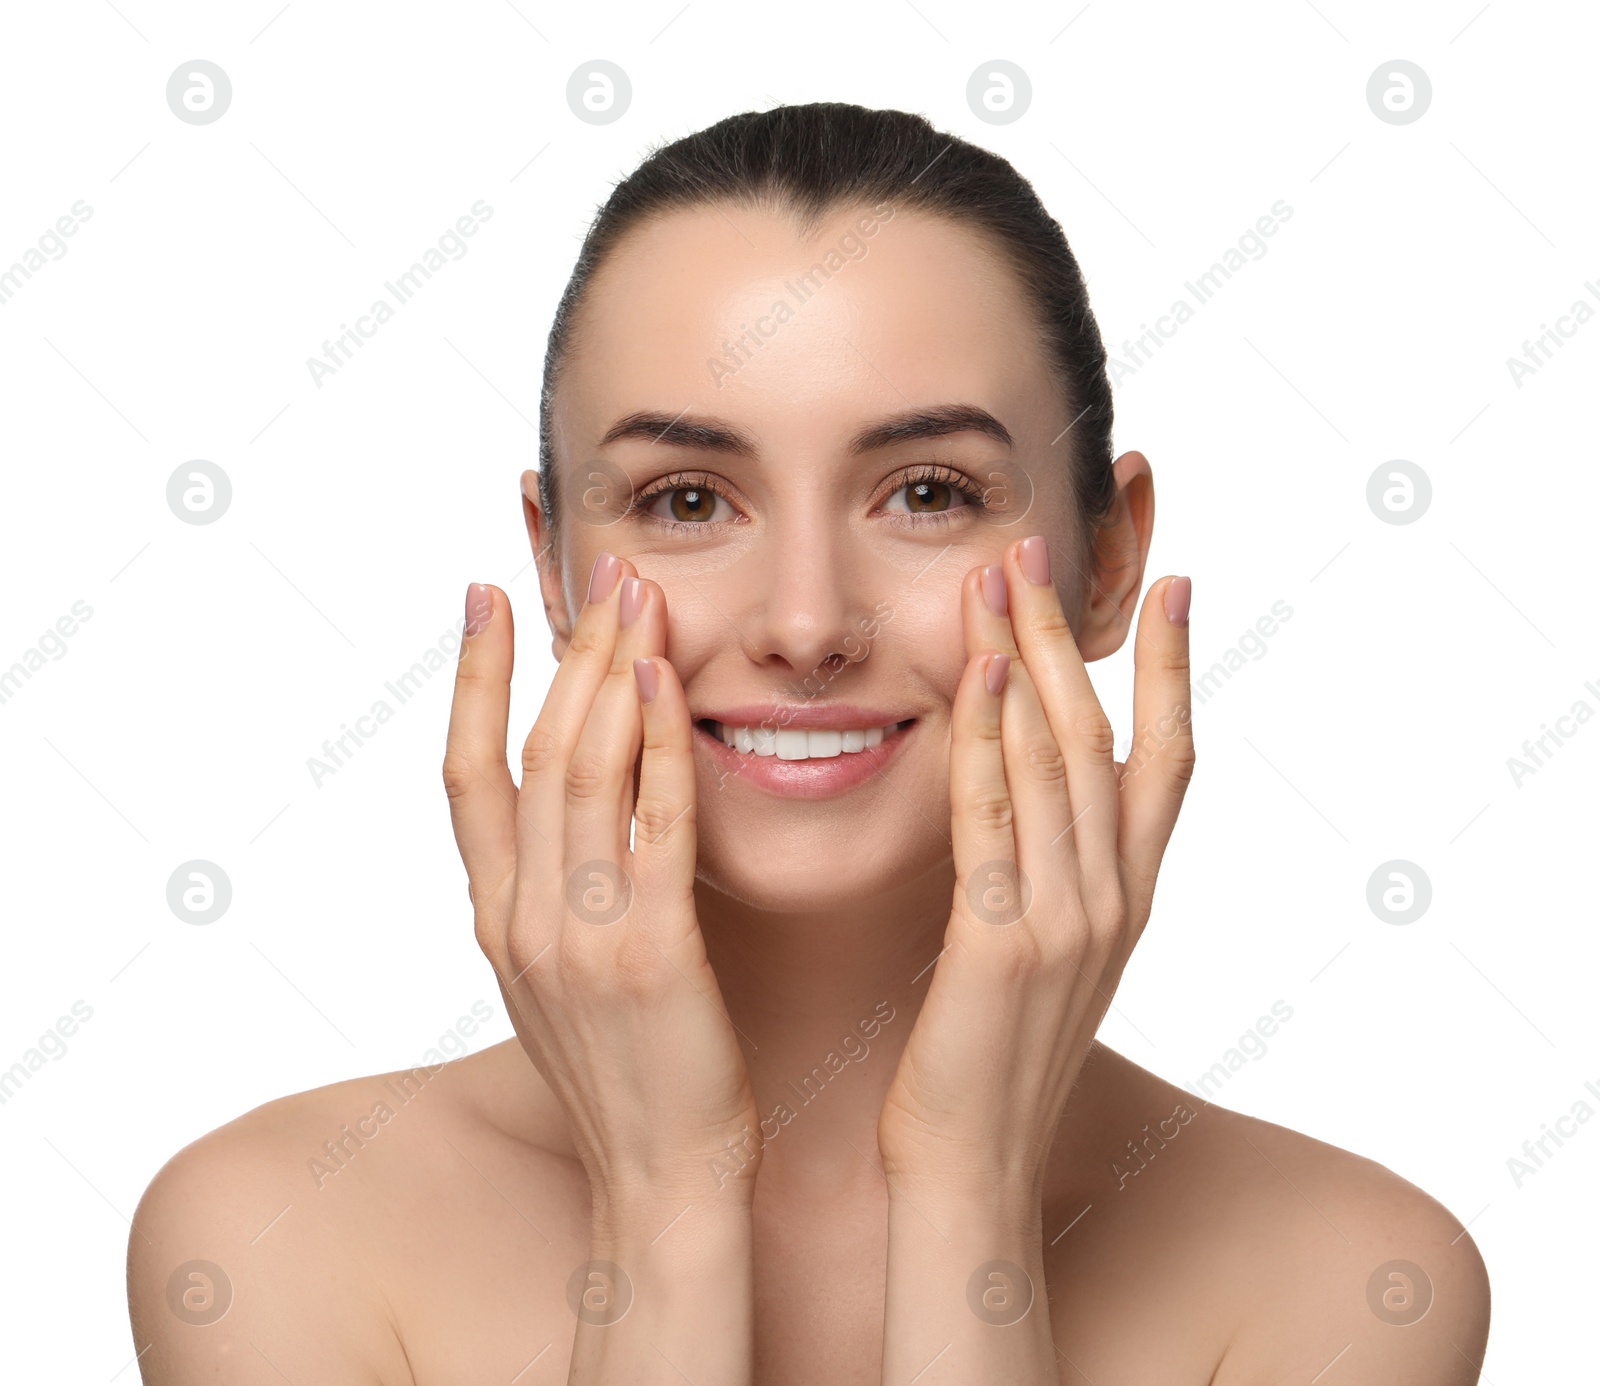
969, 1120
959, 1199
622, 1016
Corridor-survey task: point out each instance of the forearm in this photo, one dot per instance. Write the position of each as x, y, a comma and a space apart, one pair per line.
664, 1300
965, 1296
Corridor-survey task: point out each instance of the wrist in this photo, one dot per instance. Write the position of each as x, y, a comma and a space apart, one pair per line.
1010, 1203
671, 1232
721, 1182
966, 1271
666, 1278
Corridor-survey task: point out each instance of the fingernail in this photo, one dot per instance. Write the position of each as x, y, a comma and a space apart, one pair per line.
604, 576
632, 601
646, 675
1177, 600
480, 606
1034, 556
994, 589
994, 676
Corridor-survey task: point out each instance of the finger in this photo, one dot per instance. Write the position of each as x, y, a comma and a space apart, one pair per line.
599, 793
541, 807
988, 887
664, 837
1161, 761
483, 797
1081, 727
1035, 765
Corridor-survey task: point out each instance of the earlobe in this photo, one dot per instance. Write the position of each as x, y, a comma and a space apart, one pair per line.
546, 565
1117, 561
555, 611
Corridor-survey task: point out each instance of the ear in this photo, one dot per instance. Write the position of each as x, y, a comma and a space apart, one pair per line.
1116, 565
546, 559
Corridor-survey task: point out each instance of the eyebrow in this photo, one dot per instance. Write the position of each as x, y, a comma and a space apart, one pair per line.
715, 435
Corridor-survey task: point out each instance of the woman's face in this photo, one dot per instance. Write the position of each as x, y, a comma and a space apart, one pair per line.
800, 428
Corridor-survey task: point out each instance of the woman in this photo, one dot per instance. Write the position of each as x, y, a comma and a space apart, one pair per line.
805, 1087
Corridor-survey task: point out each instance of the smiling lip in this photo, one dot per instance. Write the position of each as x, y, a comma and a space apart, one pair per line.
803, 779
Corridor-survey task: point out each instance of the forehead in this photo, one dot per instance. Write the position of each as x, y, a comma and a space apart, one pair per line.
727, 311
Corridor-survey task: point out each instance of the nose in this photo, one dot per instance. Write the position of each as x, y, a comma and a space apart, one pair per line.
802, 596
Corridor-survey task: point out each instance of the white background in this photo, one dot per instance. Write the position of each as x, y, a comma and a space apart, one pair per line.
1377, 724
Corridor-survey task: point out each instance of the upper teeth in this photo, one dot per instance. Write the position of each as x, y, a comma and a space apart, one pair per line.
789, 744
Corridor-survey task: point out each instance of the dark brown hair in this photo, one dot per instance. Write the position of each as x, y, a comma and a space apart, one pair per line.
814, 159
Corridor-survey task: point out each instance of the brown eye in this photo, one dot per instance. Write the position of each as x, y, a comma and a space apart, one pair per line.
928, 495
925, 496
687, 505
691, 504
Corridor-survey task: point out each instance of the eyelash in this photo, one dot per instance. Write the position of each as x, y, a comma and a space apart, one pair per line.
703, 481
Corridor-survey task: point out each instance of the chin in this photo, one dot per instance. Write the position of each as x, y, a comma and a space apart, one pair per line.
796, 864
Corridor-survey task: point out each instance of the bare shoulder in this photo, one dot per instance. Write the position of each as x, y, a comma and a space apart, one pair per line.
238, 1264
1273, 1255
1346, 1272
285, 1244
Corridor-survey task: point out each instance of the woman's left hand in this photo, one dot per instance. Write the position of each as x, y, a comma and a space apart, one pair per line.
1056, 849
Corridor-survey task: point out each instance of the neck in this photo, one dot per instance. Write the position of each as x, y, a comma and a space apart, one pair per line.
823, 1001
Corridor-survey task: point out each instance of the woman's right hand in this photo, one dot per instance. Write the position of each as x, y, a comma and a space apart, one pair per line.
597, 947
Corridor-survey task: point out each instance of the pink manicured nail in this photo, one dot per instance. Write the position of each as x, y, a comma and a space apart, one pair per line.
1179, 590
994, 676
1034, 556
648, 677
994, 589
604, 576
631, 602
480, 606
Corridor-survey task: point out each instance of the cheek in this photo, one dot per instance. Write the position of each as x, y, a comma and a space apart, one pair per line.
697, 631
924, 632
